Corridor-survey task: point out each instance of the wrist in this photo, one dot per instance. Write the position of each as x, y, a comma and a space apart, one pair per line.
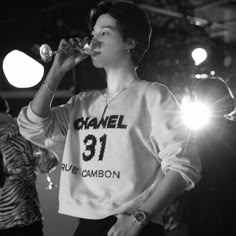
53, 79
56, 73
52, 92
141, 217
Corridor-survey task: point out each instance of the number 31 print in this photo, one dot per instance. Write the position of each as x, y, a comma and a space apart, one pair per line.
91, 144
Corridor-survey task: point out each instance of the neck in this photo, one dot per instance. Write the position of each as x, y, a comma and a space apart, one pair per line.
120, 78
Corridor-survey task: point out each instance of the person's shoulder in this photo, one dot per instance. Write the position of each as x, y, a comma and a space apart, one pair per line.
155, 89
84, 95
88, 94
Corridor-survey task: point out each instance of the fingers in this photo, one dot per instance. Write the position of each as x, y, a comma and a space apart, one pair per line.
79, 58
67, 45
73, 43
69, 52
64, 45
78, 40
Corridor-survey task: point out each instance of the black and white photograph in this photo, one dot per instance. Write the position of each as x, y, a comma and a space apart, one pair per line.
118, 118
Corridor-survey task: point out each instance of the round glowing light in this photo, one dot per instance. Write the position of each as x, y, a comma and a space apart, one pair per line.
199, 55
21, 70
194, 114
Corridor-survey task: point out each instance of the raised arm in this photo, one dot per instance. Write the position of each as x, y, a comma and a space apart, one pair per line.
62, 63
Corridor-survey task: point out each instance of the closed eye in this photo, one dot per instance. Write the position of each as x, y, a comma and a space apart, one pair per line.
104, 33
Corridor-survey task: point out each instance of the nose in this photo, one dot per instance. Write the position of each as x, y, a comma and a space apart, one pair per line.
95, 44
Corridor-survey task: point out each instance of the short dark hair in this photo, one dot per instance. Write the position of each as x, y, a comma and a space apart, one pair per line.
133, 23
4, 106
218, 93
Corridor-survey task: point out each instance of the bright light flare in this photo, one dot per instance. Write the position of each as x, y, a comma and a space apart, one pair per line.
21, 70
199, 55
195, 115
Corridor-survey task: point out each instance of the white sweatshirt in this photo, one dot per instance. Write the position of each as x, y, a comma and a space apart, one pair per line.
114, 158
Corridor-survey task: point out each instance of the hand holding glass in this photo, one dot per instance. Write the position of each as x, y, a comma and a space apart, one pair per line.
83, 46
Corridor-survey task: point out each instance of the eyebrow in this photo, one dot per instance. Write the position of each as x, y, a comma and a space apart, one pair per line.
107, 27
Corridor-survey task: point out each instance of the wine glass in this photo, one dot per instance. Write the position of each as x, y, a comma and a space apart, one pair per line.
83, 46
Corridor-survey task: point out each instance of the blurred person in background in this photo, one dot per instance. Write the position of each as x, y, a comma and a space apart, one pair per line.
20, 160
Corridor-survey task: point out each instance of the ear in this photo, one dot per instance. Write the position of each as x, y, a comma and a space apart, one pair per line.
131, 43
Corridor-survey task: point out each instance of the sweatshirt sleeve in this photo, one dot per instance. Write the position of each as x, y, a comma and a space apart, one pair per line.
46, 132
172, 140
